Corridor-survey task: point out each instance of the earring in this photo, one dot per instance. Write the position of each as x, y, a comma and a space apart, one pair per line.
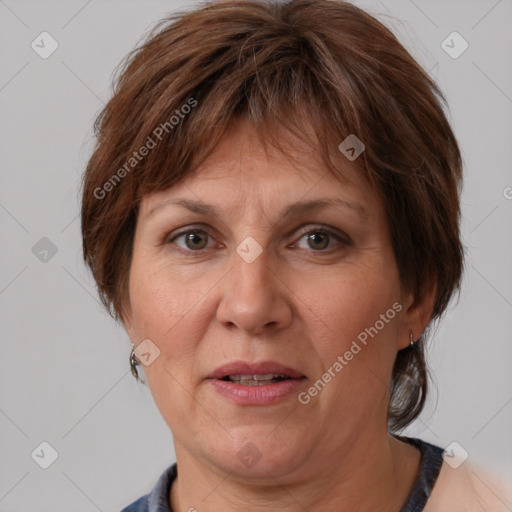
411, 338
134, 363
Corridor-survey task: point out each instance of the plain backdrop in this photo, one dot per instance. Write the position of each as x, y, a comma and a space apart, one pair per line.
64, 371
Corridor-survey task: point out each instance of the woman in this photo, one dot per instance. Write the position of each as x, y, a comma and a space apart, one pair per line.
283, 368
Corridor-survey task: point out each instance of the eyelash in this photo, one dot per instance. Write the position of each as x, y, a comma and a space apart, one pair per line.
343, 239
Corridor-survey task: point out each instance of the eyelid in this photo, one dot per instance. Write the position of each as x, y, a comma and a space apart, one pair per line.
340, 236
183, 231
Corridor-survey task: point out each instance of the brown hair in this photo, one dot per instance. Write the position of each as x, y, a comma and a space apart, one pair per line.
277, 64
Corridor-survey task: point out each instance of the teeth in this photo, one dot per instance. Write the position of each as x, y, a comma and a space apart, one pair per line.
268, 376
254, 380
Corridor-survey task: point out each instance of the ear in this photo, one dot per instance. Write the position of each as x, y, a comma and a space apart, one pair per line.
418, 313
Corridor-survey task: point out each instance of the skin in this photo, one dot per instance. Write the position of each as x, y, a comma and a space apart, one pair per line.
301, 302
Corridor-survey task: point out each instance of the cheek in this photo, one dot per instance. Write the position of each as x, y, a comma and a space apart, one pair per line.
359, 316
161, 311
351, 301
160, 304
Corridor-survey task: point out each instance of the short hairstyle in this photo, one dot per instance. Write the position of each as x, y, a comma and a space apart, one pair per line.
282, 65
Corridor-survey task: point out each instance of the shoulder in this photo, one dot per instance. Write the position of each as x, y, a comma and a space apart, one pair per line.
469, 488
158, 499
140, 505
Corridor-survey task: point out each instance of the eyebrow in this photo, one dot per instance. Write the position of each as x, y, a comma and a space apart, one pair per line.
291, 210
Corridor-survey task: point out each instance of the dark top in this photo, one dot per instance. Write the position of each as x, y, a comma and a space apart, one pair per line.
431, 460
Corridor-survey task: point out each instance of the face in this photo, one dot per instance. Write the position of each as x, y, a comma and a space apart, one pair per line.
259, 283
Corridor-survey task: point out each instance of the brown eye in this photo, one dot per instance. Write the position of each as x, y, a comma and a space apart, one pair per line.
194, 239
318, 240
322, 240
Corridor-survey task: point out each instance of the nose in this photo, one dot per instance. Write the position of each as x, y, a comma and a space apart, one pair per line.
255, 298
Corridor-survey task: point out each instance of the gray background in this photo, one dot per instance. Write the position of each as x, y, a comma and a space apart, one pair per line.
64, 363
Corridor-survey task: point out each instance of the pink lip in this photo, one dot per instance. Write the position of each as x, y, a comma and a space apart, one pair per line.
261, 368
256, 395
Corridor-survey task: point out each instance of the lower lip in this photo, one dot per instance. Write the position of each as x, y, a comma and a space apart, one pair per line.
257, 395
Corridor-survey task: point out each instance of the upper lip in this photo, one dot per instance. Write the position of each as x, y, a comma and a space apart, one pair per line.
257, 368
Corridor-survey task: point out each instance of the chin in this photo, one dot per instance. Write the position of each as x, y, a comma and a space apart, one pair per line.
257, 455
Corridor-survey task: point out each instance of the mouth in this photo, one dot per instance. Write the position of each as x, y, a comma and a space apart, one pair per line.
255, 379
255, 374
263, 383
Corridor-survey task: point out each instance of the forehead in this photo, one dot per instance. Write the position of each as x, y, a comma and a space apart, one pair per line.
243, 165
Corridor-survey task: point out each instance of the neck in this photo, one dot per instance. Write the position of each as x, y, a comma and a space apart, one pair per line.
374, 473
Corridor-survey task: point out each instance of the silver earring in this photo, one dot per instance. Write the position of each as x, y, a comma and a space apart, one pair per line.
411, 338
134, 363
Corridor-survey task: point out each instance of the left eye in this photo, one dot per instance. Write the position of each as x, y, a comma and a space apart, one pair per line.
319, 240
